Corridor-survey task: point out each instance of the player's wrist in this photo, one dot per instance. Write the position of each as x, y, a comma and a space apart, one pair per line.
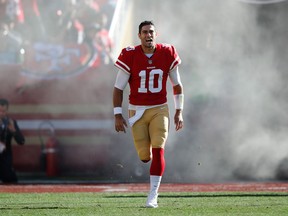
117, 110
179, 101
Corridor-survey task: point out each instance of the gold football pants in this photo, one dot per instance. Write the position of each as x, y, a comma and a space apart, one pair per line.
151, 130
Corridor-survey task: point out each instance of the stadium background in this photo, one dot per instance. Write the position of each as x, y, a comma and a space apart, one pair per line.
234, 73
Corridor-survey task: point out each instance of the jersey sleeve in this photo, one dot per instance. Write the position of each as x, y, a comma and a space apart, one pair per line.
124, 60
176, 59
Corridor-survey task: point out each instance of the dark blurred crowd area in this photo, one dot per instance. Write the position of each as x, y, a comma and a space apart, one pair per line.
24, 22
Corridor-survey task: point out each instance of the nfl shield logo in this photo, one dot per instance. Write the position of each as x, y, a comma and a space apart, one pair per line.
149, 61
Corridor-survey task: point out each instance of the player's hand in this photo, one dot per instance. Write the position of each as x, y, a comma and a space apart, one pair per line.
178, 120
120, 123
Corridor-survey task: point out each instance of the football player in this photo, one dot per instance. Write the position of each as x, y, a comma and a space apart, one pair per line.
146, 68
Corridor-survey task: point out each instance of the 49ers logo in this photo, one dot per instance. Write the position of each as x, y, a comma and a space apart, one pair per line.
49, 61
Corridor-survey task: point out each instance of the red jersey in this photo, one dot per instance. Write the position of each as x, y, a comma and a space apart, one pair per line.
148, 76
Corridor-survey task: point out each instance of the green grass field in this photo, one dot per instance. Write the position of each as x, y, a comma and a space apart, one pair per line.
126, 204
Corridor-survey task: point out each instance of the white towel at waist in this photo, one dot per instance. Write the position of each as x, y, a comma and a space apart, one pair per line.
139, 112
136, 117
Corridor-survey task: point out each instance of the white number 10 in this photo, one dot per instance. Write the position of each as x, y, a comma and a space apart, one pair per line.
150, 87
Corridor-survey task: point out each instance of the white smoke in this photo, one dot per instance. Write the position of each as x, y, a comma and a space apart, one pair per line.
232, 73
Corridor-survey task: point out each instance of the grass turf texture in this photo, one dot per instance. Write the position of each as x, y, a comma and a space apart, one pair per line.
220, 203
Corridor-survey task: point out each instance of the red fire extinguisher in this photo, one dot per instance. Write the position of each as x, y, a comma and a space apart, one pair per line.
50, 151
51, 157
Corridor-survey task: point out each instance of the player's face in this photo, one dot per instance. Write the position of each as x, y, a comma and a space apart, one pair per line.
148, 36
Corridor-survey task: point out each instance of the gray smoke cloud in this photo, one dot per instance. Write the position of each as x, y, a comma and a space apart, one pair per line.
233, 73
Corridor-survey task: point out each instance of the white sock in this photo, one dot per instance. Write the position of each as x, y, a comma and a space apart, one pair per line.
155, 183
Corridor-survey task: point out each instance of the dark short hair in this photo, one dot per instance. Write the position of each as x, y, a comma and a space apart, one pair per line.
144, 23
4, 102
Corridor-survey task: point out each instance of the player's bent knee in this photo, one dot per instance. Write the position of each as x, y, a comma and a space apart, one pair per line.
144, 155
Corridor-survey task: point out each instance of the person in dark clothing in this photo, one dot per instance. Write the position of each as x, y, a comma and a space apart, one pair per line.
9, 129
